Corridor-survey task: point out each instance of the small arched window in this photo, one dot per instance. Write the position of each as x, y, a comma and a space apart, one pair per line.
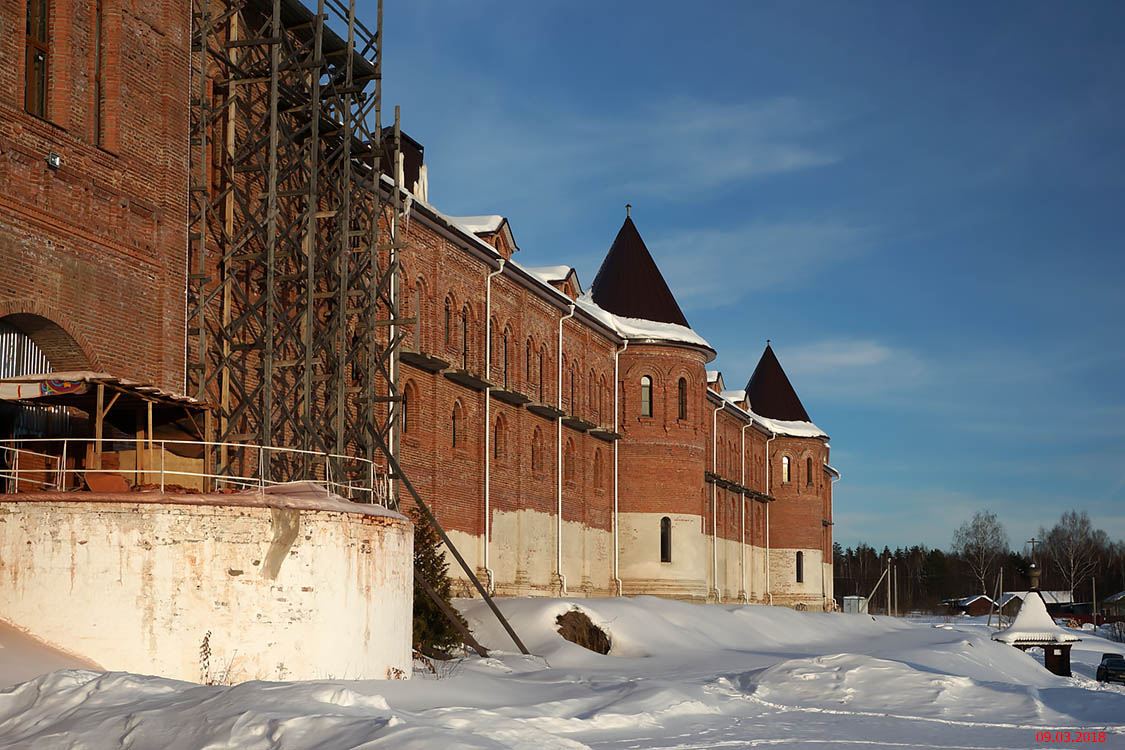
573, 390
456, 421
542, 364
504, 343
800, 567
409, 394
537, 450
682, 398
448, 322
499, 437
646, 396
527, 371
808, 472
666, 540
598, 472
418, 316
568, 461
465, 337
785, 475
592, 396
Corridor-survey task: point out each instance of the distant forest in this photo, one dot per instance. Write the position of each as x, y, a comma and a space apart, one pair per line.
1072, 555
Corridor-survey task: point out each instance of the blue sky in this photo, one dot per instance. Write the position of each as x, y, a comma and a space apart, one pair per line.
920, 204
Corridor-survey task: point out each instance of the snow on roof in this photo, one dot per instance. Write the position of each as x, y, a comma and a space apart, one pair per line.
777, 426
793, 429
486, 224
713, 376
734, 396
1051, 597
549, 274
970, 599
1034, 625
644, 330
1119, 596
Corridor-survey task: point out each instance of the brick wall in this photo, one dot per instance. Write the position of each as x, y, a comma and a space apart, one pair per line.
94, 253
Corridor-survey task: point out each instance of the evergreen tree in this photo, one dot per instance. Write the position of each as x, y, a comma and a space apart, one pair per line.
434, 634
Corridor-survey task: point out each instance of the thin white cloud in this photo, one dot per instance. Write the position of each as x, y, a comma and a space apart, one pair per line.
844, 370
700, 263
673, 150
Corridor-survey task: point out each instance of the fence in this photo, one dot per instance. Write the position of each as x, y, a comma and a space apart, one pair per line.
60, 464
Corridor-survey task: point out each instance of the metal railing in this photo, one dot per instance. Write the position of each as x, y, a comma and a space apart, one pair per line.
42, 463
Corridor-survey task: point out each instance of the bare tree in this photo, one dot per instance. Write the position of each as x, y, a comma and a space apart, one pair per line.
980, 543
1073, 545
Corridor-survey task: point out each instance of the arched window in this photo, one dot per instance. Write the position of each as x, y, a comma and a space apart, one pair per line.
465, 337
592, 395
418, 315
504, 343
491, 344
409, 399
808, 472
601, 400
785, 469
568, 461
573, 389
598, 472
499, 437
448, 322
542, 361
646, 396
527, 371
456, 423
682, 398
665, 539
537, 450
800, 567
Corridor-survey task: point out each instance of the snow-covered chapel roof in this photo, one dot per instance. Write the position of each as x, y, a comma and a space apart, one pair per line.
1033, 625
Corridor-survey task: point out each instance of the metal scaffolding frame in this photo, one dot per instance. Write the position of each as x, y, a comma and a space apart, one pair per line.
292, 304
292, 312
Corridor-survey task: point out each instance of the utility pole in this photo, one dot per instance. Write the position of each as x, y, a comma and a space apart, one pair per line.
1094, 604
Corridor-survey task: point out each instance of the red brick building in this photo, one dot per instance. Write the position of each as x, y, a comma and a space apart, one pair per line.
571, 441
93, 169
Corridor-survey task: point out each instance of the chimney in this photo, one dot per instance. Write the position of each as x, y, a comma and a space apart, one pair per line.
410, 167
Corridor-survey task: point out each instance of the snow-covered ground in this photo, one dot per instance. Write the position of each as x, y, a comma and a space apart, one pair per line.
678, 676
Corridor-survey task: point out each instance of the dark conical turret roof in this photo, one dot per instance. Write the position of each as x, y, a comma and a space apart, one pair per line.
629, 283
770, 392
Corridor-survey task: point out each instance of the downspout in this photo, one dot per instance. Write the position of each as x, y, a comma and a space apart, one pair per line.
715, 502
742, 511
769, 484
491, 582
616, 413
831, 497
559, 466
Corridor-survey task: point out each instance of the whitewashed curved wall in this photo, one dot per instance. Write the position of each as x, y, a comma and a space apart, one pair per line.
136, 586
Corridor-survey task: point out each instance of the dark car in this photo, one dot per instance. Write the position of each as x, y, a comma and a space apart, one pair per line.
1112, 668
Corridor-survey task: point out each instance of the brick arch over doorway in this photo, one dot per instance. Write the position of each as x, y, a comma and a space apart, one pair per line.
62, 349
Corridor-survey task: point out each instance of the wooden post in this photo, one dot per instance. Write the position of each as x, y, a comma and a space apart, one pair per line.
98, 415
148, 459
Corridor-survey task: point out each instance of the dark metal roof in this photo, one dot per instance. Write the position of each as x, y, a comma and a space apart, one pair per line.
770, 392
629, 283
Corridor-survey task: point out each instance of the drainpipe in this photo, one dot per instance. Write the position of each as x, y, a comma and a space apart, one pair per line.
769, 483
559, 465
742, 511
616, 523
715, 502
491, 582
831, 495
